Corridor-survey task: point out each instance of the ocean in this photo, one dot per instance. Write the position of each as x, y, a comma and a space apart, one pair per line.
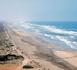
60, 33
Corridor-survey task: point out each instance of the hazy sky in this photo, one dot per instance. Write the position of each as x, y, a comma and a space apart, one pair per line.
38, 10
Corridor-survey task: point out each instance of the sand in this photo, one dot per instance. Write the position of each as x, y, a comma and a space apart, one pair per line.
3, 51
70, 57
3, 67
40, 54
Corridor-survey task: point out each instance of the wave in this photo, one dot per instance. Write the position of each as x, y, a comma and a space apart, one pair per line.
49, 36
69, 43
52, 29
31, 28
75, 43
72, 37
51, 32
60, 31
27, 27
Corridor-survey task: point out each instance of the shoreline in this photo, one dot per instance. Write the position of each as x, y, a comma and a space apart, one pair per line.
36, 50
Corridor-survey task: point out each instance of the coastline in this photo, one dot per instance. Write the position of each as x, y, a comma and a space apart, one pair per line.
34, 49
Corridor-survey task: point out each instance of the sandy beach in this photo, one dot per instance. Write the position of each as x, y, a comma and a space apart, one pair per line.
38, 34
37, 53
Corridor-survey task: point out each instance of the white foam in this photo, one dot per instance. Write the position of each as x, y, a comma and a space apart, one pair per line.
69, 43
31, 27
75, 43
39, 33
71, 37
52, 29
60, 31
27, 27
49, 36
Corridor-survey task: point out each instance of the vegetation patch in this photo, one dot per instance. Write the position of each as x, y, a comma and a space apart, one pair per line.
9, 45
5, 40
5, 43
27, 66
1, 43
10, 57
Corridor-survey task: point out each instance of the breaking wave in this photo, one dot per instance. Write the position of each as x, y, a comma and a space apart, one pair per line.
51, 32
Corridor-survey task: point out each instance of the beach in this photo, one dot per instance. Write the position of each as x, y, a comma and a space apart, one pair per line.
37, 52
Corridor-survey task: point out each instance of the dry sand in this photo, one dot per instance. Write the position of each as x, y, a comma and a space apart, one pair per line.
3, 67
3, 51
41, 54
70, 57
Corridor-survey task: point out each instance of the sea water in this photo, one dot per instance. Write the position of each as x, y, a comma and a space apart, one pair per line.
60, 33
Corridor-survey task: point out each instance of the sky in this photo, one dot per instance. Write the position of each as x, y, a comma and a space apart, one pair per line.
38, 10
